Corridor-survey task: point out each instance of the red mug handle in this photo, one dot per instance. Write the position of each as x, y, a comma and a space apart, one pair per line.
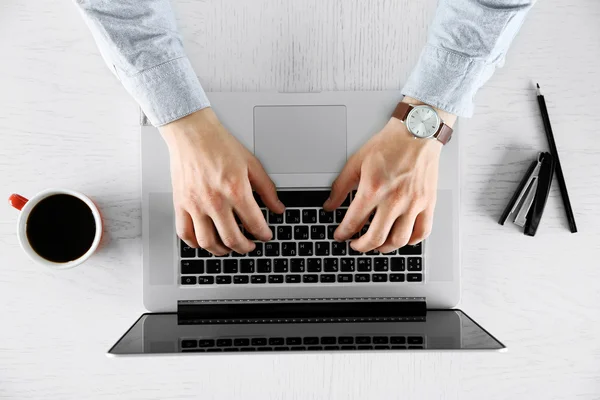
17, 201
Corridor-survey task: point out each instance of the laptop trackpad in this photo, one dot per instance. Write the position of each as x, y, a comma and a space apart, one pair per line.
300, 139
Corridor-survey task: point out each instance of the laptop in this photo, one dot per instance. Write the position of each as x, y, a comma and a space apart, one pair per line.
301, 291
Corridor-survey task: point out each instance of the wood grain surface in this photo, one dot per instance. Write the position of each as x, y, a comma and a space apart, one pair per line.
66, 122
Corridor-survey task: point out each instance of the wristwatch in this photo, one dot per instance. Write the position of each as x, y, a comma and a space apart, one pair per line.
423, 122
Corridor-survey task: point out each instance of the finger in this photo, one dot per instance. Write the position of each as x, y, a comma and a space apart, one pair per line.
378, 231
185, 227
399, 234
264, 186
206, 235
423, 225
360, 209
252, 218
344, 183
230, 232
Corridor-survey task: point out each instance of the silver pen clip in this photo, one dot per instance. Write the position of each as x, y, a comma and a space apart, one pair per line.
526, 196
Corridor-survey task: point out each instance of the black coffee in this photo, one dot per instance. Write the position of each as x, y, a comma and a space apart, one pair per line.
61, 228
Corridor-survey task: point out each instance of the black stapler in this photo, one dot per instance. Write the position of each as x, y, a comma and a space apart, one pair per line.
527, 204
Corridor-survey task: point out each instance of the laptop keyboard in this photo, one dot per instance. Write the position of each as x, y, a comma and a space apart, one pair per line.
308, 343
302, 251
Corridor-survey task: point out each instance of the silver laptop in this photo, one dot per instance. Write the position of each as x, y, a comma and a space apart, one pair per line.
302, 290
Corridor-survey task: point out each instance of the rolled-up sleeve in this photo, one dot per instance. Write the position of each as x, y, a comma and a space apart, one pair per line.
140, 43
467, 40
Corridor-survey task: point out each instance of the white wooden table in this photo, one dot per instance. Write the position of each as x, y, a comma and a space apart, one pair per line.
66, 122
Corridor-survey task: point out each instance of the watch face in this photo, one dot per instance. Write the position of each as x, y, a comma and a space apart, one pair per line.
423, 121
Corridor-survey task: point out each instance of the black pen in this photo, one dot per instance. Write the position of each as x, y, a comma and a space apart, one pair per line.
559, 174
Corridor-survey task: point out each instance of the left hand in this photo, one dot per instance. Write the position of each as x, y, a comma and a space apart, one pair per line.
397, 177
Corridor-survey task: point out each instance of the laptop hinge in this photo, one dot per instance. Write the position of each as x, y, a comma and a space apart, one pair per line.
302, 310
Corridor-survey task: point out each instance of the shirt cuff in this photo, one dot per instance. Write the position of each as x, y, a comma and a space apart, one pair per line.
447, 80
167, 92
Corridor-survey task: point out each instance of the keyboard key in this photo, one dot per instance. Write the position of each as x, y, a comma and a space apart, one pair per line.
206, 280
353, 252
411, 250
363, 230
396, 277
248, 234
398, 264
288, 249
263, 266
331, 347
303, 198
241, 279
223, 280
364, 347
235, 254
292, 216
293, 341
224, 342
344, 278
363, 340
414, 264
298, 265
187, 251
398, 340
325, 217
363, 264
281, 265
322, 248
192, 267
362, 278
258, 250
346, 340
258, 341
391, 253
380, 340
188, 344
273, 232
338, 249
381, 264
327, 278
214, 350
292, 279
340, 213
301, 232
258, 279
272, 249
415, 340
330, 230
317, 232
381, 347
305, 249
297, 348
281, 348
275, 278
284, 233
241, 342
311, 340
204, 253
314, 348
380, 278
310, 278
309, 216
398, 347
206, 343
275, 219
331, 265
328, 340
276, 341
213, 266
373, 253
188, 280
313, 265
347, 265
348, 347
247, 266
414, 277
230, 266
263, 210
415, 347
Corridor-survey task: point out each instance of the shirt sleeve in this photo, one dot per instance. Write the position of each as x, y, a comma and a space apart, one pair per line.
467, 40
139, 41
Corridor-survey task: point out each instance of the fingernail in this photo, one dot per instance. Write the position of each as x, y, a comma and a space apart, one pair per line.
327, 202
280, 203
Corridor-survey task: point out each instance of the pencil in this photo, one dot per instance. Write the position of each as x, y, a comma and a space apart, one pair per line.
559, 173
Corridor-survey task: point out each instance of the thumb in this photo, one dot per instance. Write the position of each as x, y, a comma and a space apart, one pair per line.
345, 182
264, 186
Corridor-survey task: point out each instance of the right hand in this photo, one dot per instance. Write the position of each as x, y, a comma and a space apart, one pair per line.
213, 176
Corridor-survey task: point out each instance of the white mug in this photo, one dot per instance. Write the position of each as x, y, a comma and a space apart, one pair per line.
25, 206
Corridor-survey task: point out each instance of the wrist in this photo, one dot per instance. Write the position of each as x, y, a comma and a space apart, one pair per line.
197, 123
448, 118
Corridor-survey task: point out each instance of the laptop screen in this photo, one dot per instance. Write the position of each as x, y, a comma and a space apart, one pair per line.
438, 330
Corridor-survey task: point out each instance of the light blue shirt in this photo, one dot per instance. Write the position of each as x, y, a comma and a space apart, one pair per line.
139, 41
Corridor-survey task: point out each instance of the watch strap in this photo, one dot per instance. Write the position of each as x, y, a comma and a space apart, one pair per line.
444, 134
401, 111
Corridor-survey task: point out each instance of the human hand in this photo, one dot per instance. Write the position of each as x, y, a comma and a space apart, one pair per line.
213, 175
396, 176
